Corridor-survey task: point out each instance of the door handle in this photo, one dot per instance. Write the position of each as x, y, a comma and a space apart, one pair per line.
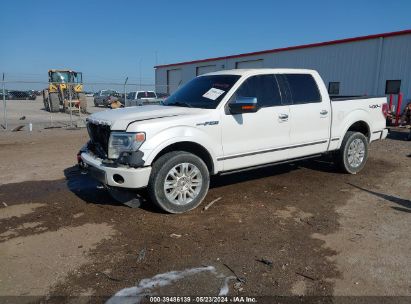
283, 116
324, 112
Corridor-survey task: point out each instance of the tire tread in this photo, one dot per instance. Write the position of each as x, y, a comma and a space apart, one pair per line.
156, 170
340, 157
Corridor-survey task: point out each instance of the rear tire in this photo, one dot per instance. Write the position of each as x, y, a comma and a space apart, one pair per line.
46, 100
46, 105
353, 153
83, 102
54, 102
179, 182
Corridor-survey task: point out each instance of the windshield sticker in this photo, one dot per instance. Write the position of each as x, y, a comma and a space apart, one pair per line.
213, 93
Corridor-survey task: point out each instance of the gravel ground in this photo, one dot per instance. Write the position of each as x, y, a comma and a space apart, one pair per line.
297, 229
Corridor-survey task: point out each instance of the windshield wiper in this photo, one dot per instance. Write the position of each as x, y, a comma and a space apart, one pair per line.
181, 104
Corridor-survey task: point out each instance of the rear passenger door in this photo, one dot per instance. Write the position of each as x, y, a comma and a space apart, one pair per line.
309, 115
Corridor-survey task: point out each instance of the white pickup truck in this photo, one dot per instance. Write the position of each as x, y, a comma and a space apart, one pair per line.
225, 122
140, 97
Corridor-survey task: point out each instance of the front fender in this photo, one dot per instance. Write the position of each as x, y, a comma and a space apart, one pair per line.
211, 142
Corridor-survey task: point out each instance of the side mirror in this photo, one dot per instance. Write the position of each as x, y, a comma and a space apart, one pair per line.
243, 105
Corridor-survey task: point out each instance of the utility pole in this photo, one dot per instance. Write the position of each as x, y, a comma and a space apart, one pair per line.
4, 104
125, 92
140, 72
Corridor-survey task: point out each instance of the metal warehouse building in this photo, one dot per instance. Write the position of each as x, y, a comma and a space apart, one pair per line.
373, 65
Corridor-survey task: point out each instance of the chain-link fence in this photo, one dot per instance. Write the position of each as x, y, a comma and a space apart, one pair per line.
28, 105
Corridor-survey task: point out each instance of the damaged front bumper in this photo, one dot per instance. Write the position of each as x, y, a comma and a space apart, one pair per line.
113, 173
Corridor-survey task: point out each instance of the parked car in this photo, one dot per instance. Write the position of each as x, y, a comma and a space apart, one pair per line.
105, 98
32, 94
20, 95
89, 94
138, 98
224, 122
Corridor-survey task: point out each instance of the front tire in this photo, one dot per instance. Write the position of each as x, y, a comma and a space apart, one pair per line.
54, 102
179, 182
353, 154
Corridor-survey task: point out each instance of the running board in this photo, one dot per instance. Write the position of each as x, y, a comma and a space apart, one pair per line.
270, 164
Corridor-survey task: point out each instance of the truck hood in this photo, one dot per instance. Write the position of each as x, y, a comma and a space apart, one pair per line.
119, 119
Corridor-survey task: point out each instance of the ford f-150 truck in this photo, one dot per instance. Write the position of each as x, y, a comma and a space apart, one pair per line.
225, 122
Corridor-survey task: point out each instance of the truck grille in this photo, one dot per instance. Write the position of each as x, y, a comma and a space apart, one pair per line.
99, 136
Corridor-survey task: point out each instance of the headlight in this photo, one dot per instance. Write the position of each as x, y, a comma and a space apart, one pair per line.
122, 141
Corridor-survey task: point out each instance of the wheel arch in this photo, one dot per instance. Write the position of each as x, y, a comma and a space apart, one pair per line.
360, 126
190, 147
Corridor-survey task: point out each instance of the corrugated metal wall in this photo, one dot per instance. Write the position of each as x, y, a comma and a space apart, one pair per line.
361, 67
396, 63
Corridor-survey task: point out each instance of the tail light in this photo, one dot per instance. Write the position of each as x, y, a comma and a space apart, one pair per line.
384, 109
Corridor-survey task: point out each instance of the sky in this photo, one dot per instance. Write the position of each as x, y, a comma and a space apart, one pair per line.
111, 40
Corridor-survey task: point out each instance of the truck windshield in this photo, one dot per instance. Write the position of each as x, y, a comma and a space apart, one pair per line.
202, 92
59, 77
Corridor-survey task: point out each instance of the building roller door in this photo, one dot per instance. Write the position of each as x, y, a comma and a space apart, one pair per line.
174, 80
205, 69
250, 64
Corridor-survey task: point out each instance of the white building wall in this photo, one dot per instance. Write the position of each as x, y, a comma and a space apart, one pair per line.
361, 67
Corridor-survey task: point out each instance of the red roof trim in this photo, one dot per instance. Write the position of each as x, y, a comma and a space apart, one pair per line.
304, 46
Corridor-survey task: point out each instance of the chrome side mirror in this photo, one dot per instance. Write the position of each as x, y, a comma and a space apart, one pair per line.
244, 105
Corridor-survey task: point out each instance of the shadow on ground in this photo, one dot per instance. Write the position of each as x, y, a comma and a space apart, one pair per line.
249, 175
401, 134
86, 188
400, 201
92, 191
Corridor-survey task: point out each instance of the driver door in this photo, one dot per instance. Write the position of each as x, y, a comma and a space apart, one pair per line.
251, 139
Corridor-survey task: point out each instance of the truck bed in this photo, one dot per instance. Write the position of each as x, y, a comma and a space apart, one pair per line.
365, 110
352, 97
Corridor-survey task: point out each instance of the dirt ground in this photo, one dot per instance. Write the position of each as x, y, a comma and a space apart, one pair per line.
297, 229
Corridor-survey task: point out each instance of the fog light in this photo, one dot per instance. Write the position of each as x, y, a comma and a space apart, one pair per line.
118, 178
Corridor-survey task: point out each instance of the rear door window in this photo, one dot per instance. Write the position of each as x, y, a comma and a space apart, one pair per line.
141, 95
303, 88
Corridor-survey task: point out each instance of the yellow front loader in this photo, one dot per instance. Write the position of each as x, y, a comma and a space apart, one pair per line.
64, 85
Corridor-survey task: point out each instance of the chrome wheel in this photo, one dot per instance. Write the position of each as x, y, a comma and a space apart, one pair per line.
356, 153
183, 183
